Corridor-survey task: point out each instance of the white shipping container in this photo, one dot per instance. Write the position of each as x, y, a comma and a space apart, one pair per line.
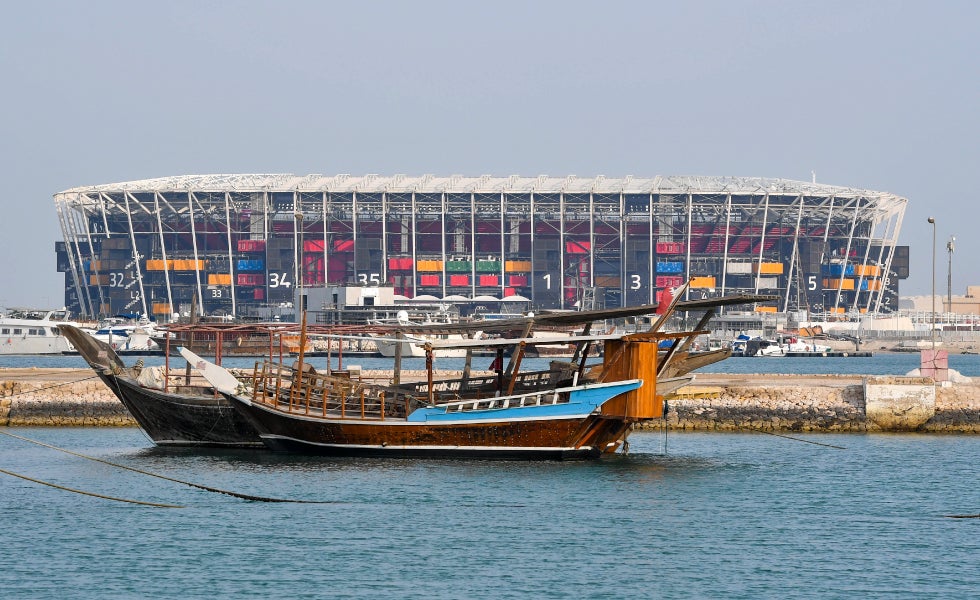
768, 283
740, 267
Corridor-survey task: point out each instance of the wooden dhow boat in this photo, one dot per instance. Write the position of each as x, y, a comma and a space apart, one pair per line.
172, 410
571, 411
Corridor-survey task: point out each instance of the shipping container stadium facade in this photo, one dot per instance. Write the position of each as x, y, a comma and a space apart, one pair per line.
239, 243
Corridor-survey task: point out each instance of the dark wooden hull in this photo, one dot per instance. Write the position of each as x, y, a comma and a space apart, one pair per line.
184, 419
547, 439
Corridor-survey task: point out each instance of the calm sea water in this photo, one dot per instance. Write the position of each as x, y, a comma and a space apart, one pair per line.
686, 516
716, 516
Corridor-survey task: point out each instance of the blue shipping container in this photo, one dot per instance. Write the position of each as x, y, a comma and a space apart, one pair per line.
251, 265
670, 267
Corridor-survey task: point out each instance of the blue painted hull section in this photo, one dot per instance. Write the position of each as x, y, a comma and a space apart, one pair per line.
583, 401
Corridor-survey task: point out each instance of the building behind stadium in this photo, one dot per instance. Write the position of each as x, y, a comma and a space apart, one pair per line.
238, 244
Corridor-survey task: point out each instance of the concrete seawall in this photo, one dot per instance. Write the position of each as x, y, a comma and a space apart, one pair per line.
71, 397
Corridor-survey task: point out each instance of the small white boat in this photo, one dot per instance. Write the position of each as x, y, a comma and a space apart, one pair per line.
127, 335
34, 332
388, 343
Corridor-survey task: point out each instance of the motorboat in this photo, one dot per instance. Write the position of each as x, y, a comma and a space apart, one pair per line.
28, 331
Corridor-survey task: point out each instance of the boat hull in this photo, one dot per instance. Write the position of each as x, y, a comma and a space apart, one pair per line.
171, 419
572, 438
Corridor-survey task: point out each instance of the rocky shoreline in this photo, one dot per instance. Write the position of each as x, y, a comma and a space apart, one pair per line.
774, 403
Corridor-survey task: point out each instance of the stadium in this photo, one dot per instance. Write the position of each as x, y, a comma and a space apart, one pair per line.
238, 244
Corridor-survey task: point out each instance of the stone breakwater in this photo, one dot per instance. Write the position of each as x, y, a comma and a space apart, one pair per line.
47, 403
810, 403
825, 404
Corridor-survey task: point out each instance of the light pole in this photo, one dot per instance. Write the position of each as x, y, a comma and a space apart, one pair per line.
949, 274
932, 221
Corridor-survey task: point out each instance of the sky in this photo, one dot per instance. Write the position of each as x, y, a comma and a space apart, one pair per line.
875, 95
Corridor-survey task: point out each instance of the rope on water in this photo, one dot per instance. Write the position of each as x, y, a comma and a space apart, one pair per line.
788, 437
93, 494
164, 477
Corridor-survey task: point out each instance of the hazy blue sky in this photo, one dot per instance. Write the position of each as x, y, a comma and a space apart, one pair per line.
877, 95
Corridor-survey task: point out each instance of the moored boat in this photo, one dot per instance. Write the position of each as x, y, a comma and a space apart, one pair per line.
171, 412
571, 411
34, 332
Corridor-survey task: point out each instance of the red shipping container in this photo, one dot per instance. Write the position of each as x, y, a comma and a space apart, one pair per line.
459, 280
428, 280
509, 292
577, 247
343, 245
313, 245
260, 293
251, 245
489, 280
517, 280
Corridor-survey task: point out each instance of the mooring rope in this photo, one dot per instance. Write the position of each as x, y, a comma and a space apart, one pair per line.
93, 494
788, 437
164, 477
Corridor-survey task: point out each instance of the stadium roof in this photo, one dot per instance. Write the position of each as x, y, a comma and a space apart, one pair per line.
483, 184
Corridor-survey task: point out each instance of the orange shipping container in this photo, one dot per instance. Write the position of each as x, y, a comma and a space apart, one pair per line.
833, 284
767, 268
702, 282
219, 279
867, 270
766, 309
517, 266
161, 308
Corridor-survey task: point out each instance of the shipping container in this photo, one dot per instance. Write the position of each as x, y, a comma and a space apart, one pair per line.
459, 266
459, 280
767, 268
577, 247
159, 265
739, 267
608, 281
429, 266
161, 308
251, 279
670, 247
489, 280
668, 281
767, 283
843, 284
256, 264
517, 266
702, 282
766, 309
251, 245
488, 266
867, 270
219, 279
429, 280
837, 269
670, 267
517, 280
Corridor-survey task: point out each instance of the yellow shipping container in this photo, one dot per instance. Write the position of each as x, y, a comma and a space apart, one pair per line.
766, 309
161, 308
839, 310
833, 284
219, 279
517, 266
98, 280
767, 268
702, 282
429, 266
873, 285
